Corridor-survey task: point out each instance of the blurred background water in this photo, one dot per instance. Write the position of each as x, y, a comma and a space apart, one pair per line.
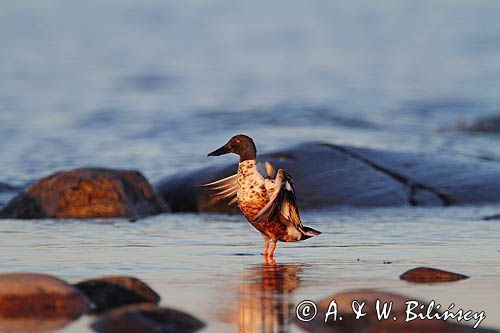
154, 85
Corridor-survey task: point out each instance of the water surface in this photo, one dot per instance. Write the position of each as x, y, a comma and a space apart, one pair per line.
156, 85
209, 265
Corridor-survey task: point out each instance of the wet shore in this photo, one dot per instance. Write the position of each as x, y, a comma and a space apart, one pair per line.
220, 278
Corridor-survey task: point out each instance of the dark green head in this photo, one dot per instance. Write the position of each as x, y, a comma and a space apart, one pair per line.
239, 144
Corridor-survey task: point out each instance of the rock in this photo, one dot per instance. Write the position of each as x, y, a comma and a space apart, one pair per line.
146, 318
453, 182
4, 187
430, 275
493, 217
32, 325
25, 295
328, 175
86, 193
484, 125
115, 291
370, 324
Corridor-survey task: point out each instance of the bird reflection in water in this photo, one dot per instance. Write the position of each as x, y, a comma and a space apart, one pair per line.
265, 301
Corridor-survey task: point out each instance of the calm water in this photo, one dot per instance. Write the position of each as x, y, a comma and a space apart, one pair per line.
156, 85
209, 266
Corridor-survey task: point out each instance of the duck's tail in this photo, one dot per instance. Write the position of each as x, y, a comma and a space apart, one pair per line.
308, 232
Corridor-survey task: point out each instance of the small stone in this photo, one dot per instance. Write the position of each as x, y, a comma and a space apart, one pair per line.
146, 318
39, 295
429, 275
115, 291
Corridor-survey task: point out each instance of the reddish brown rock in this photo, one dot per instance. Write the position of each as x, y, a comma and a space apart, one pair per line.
370, 324
86, 193
24, 295
430, 275
115, 291
32, 325
146, 318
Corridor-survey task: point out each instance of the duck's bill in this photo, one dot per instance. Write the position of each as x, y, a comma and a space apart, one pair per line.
221, 151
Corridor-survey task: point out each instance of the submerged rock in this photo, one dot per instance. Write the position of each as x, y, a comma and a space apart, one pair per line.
430, 275
327, 175
146, 318
24, 295
484, 125
4, 187
86, 193
115, 291
370, 323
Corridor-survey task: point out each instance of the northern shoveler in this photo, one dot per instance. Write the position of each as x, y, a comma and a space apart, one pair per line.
269, 202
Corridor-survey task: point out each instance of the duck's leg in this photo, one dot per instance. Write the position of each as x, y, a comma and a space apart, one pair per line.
273, 248
266, 246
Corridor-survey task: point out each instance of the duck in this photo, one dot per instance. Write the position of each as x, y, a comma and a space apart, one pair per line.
267, 201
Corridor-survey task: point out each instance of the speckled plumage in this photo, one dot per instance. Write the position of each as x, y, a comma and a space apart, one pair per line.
253, 194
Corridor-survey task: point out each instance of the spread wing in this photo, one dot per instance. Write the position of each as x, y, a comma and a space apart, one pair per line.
224, 188
282, 202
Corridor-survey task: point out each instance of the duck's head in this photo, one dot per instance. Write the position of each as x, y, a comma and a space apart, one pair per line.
239, 144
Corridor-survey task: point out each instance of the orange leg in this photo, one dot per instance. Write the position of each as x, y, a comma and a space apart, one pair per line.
265, 248
268, 260
273, 248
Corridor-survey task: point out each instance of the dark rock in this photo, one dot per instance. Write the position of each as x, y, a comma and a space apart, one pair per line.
484, 125
24, 295
146, 318
114, 291
454, 182
86, 193
493, 217
430, 275
370, 324
4, 187
327, 175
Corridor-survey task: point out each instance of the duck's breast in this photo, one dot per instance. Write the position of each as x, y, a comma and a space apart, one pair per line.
253, 194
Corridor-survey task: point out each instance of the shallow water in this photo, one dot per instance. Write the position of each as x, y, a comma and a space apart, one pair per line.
156, 85
209, 265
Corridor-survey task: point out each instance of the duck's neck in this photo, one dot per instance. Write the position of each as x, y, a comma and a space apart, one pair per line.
248, 164
247, 168
248, 155
248, 152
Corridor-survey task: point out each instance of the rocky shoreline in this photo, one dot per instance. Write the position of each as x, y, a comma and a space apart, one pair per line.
326, 175
39, 302
127, 304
